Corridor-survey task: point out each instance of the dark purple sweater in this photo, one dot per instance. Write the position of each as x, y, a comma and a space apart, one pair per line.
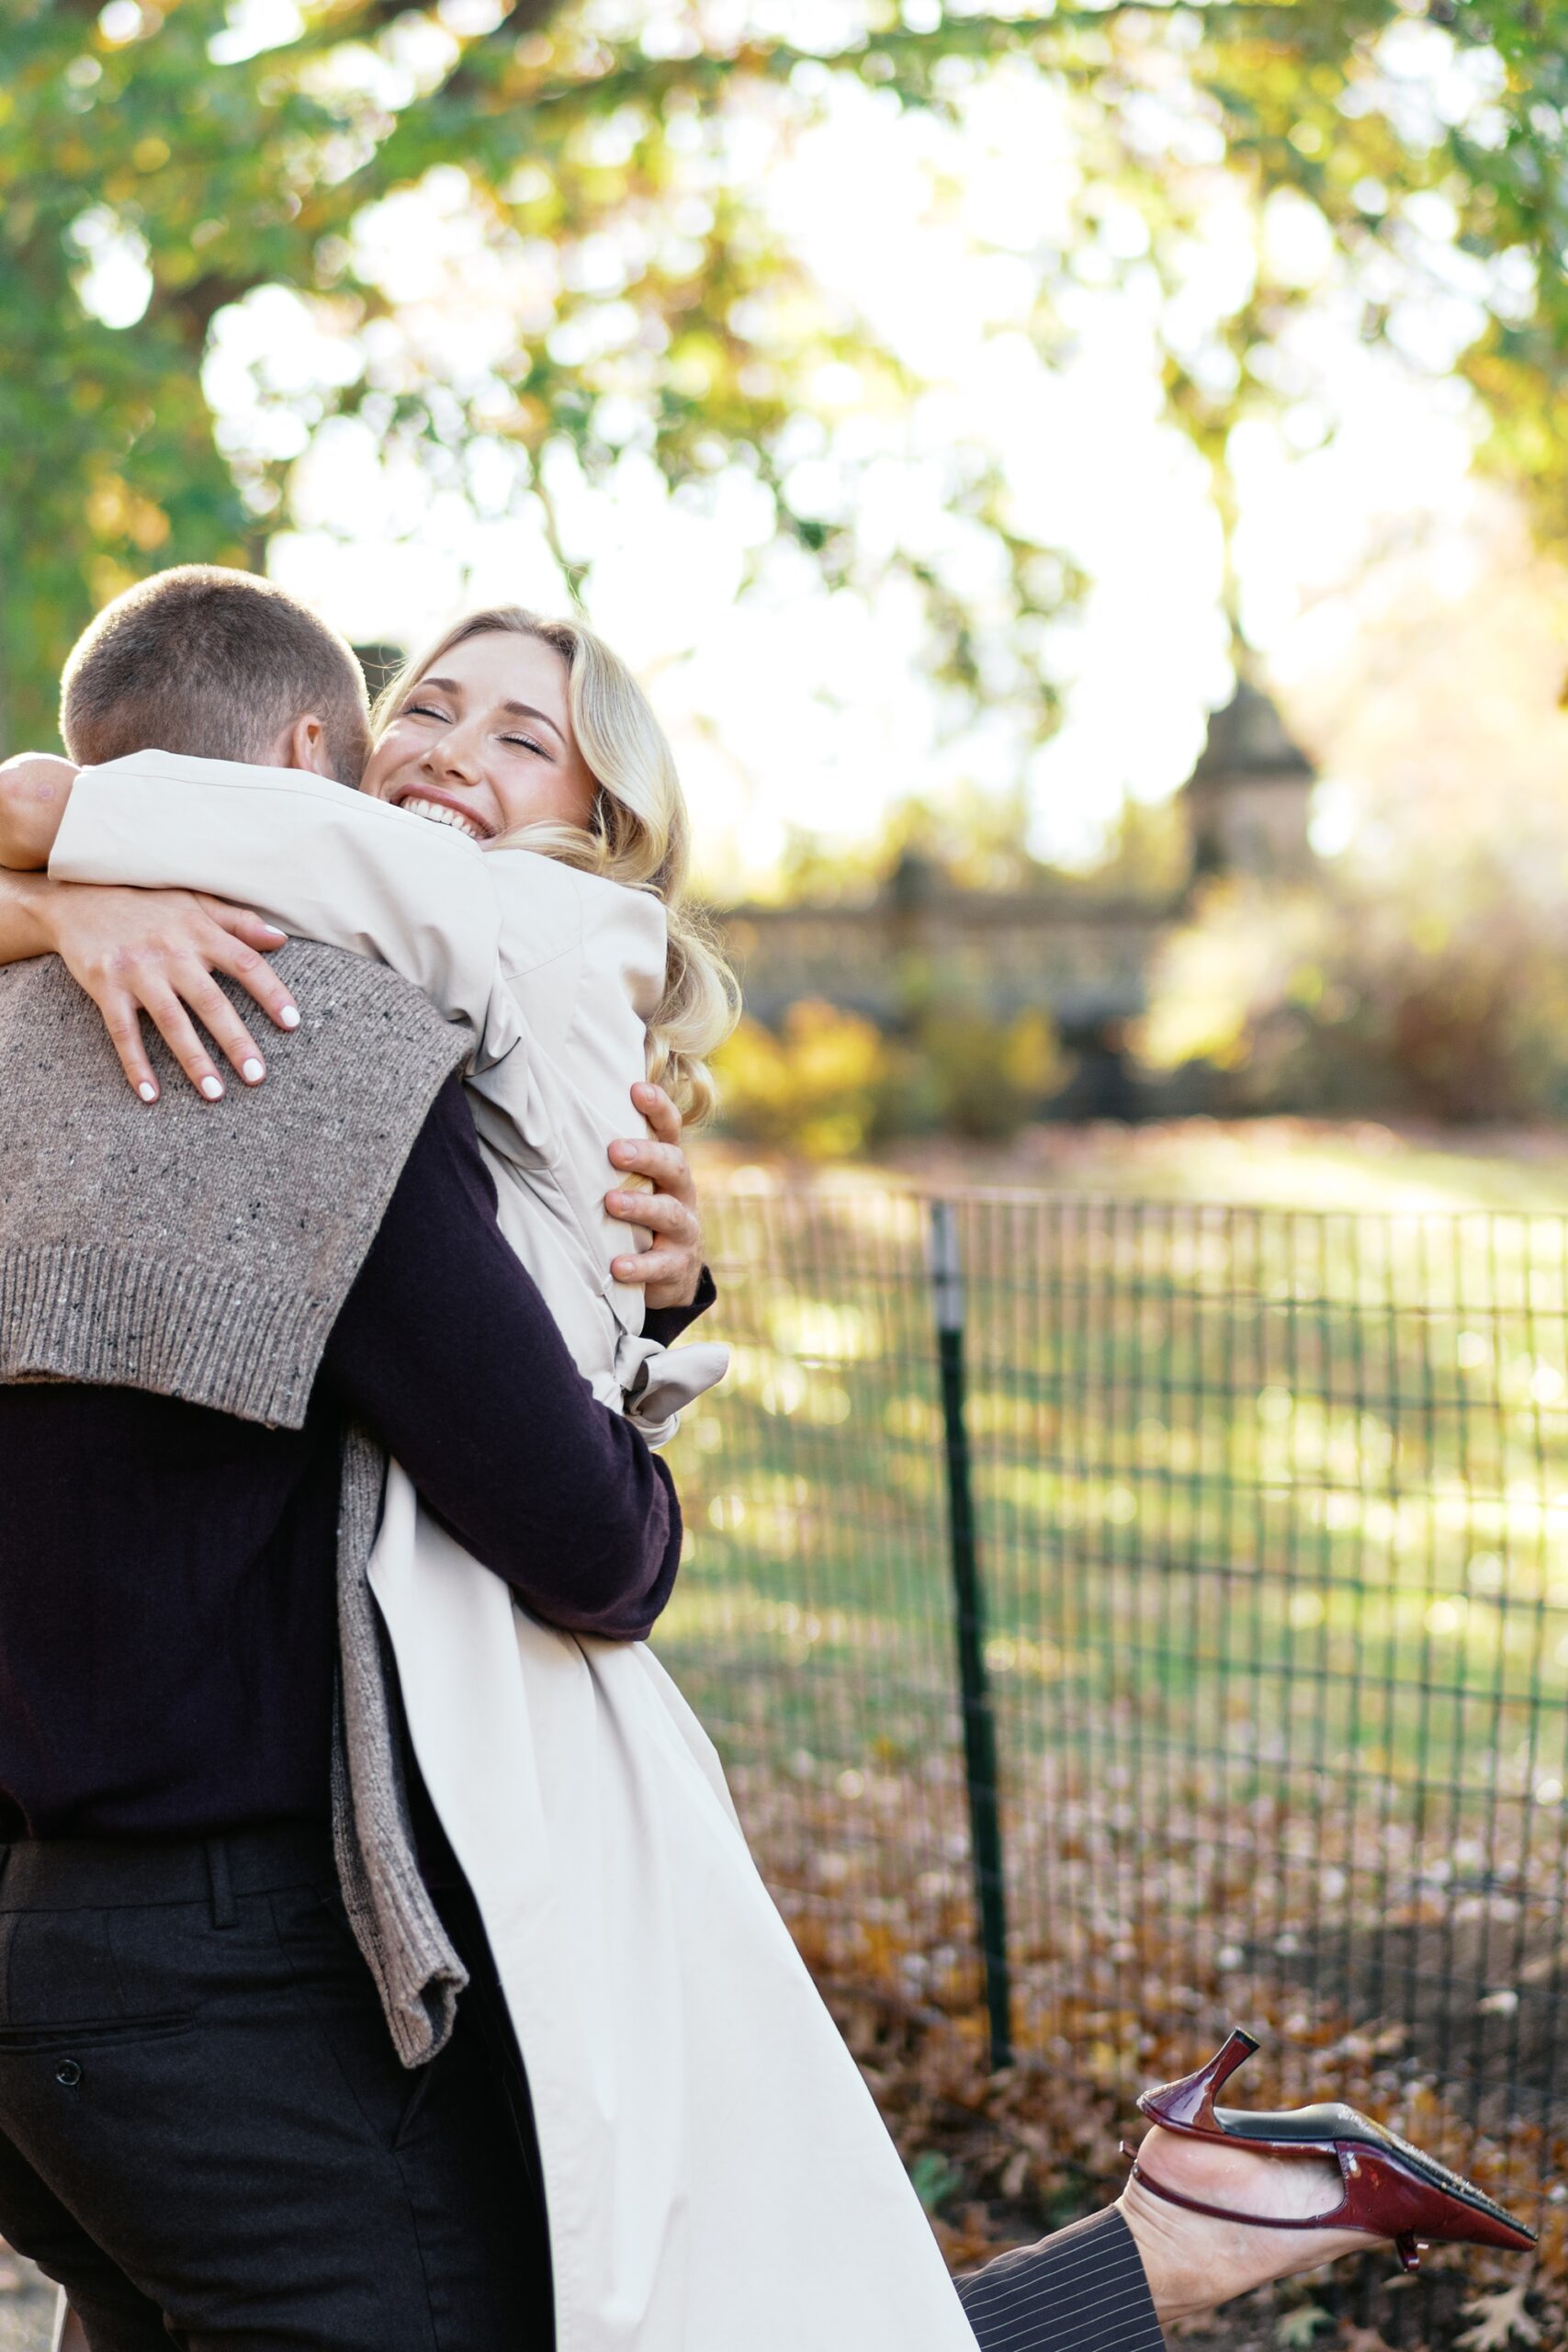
167, 1573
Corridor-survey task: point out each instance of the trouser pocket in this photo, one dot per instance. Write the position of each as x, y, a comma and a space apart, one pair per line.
333, 1983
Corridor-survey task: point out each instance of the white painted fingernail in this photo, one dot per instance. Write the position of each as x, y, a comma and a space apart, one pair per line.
252, 1071
276, 929
147, 1091
289, 1016
212, 1088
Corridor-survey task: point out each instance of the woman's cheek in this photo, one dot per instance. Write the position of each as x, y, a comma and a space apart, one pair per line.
379, 774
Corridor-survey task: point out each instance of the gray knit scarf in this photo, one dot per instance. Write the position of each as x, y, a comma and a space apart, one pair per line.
203, 1251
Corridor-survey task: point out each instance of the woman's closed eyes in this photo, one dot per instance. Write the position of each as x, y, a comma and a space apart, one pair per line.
429, 710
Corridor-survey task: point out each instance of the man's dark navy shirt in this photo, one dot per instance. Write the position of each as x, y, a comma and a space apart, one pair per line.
168, 1627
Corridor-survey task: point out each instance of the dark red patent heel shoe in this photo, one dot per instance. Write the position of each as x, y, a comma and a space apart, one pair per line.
1391, 2190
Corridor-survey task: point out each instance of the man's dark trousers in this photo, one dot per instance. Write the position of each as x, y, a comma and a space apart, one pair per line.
207, 2133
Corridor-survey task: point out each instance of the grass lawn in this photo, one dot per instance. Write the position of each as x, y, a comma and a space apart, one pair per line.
1292, 1163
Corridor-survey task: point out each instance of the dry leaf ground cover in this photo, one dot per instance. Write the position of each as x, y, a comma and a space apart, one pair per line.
997, 2158
1000, 2158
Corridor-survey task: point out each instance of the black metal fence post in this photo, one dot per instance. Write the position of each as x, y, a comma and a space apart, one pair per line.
979, 1724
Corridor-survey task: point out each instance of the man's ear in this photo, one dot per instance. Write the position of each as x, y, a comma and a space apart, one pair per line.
305, 746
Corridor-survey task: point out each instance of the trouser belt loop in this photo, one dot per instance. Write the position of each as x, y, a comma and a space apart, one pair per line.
220, 1883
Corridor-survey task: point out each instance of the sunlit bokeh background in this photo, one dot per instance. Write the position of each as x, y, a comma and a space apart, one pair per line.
947, 409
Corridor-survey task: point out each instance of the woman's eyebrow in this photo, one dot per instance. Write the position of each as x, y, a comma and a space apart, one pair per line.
526, 710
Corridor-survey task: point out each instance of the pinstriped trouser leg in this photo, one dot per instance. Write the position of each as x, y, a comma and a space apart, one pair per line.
1082, 2289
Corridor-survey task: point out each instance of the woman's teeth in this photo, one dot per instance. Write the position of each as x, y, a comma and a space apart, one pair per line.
439, 814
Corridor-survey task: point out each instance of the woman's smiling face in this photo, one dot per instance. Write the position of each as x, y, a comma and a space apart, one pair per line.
484, 742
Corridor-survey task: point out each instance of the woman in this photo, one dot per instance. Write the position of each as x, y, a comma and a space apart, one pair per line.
1199, 2211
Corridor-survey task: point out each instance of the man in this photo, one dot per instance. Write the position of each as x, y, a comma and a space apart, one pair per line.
204, 2126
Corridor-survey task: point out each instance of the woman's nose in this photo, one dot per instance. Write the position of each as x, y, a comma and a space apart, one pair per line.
452, 755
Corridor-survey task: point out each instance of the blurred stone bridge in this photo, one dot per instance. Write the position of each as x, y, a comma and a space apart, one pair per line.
1082, 959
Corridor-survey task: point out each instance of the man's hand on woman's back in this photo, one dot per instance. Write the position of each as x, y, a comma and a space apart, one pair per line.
671, 1268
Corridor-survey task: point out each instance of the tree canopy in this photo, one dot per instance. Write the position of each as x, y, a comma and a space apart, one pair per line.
165, 160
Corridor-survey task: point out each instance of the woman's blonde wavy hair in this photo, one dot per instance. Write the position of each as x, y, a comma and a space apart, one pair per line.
640, 833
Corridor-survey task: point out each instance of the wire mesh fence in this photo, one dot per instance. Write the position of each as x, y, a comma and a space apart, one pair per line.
1270, 1532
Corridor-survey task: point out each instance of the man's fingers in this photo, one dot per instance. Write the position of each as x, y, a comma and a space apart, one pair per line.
650, 1267
173, 1025
664, 1164
672, 1268
122, 1019
657, 1110
655, 1210
230, 953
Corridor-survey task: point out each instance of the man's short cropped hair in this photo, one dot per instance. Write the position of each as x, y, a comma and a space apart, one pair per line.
215, 663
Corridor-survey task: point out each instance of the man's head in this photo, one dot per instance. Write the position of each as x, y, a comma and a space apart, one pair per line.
219, 665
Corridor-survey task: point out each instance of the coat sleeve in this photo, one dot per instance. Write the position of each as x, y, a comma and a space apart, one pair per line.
584, 965
310, 855
1081, 2289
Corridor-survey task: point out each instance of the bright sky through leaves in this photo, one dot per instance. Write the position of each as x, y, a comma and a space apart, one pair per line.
798, 705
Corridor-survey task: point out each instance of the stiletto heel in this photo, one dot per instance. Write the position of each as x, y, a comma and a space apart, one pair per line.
1188, 2105
1390, 2189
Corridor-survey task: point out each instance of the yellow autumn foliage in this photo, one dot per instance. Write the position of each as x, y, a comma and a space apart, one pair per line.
814, 1089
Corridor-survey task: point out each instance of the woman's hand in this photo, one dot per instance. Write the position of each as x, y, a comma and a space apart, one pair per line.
154, 952
670, 1269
